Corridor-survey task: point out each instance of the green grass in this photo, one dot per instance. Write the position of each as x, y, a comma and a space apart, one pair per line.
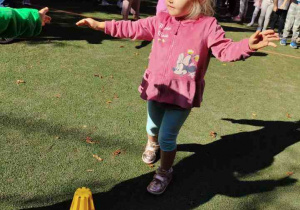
45, 121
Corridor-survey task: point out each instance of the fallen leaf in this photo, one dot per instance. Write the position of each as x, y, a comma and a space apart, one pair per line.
111, 76
96, 75
57, 137
19, 81
116, 96
90, 170
288, 115
89, 140
57, 95
136, 53
224, 64
97, 157
213, 134
254, 115
151, 165
84, 126
121, 46
108, 102
290, 173
117, 152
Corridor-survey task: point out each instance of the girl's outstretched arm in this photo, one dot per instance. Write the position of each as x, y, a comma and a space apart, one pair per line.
263, 39
143, 29
93, 24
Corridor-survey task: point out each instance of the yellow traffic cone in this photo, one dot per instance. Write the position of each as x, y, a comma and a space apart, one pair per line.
83, 200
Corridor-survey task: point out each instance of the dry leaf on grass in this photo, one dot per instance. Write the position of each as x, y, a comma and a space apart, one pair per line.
290, 173
151, 165
121, 46
97, 157
111, 76
116, 96
19, 81
254, 115
98, 75
288, 115
90, 170
213, 134
108, 102
117, 152
89, 140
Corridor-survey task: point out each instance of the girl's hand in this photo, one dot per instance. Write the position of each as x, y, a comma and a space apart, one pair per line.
91, 23
44, 18
262, 39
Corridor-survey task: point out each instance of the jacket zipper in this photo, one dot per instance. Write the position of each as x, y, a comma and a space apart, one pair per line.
170, 53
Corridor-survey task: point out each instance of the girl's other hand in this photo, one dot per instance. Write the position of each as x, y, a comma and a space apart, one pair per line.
91, 23
44, 17
263, 39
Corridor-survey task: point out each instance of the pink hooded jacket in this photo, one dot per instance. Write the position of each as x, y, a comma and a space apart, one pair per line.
181, 51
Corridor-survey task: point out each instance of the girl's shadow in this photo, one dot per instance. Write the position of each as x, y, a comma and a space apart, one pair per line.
212, 169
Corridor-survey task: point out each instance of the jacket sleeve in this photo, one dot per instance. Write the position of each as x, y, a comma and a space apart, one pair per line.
225, 49
143, 29
19, 22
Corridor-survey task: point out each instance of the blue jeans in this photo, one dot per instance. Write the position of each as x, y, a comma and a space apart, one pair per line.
165, 121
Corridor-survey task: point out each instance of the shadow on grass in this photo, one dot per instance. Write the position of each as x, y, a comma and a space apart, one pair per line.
212, 169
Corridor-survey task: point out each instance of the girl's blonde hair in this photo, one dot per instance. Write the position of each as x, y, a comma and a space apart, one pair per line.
201, 7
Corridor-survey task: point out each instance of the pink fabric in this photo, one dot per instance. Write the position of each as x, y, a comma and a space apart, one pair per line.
180, 55
161, 6
257, 3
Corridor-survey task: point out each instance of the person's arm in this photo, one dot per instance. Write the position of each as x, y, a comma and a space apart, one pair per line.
286, 2
225, 49
143, 29
22, 22
275, 7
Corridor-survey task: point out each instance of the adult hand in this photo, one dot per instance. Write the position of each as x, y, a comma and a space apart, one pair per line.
44, 17
262, 39
275, 8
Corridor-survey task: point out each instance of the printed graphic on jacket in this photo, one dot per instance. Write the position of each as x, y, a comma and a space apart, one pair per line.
186, 65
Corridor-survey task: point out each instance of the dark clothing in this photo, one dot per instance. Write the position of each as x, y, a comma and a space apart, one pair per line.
280, 16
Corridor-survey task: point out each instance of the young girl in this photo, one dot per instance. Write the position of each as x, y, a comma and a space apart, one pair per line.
174, 82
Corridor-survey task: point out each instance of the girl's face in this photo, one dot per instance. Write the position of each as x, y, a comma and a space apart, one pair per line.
179, 8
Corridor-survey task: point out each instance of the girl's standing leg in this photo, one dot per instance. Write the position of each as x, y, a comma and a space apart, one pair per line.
274, 18
155, 115
296, 27
290, 19
255, 13
136, 9
126, 8
171, 123
261, 19
243, 6
281, 23
268, 16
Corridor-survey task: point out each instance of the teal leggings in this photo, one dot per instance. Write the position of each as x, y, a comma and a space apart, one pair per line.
165, 121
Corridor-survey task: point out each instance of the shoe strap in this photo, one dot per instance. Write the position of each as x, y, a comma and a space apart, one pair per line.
160, 178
